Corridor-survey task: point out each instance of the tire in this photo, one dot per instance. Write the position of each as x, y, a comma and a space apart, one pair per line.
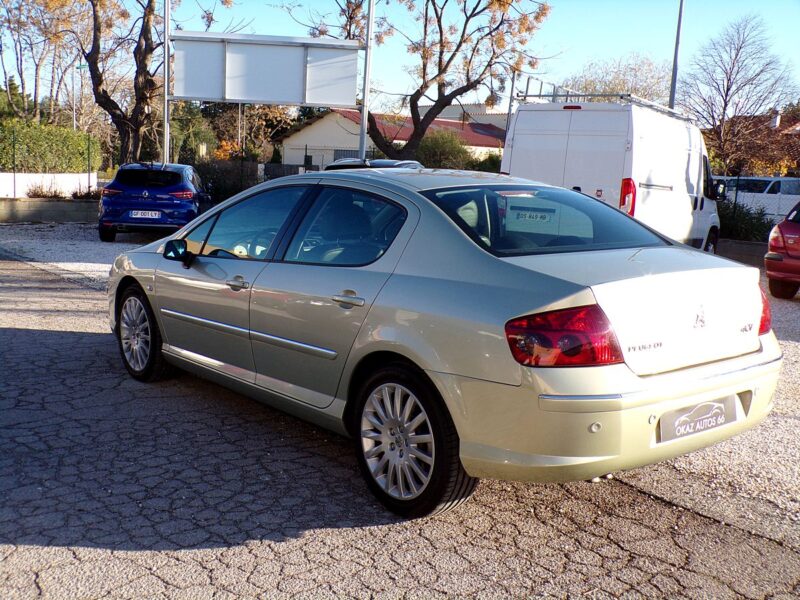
138, 337
783, 289
711, 242
403, 481
107, 234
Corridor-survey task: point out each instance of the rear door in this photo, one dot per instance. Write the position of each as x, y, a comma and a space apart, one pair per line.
595, 154
539, 145
307, 309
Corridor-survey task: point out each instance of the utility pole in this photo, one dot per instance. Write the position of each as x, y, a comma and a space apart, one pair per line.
362, 143
675, 59
165, 154
74, 119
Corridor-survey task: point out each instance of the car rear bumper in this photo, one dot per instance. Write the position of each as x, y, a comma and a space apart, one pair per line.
782, 267
123, 226
519, 433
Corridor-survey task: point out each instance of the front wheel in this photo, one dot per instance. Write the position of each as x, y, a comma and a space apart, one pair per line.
711, 242
783, 289
139, 338
407, 445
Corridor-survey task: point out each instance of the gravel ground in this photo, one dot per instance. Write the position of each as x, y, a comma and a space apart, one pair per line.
752, 481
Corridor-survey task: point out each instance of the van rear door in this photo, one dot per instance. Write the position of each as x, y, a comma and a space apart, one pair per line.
595, 160
539, 144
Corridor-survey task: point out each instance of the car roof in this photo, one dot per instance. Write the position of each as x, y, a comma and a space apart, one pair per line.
423, 179
156, 166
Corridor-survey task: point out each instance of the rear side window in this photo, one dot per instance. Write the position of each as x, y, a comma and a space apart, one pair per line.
532, 220
752, 186
346, 228
148, 178
791, 187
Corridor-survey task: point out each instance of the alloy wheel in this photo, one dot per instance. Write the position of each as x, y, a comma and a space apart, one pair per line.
397, 441
134, 333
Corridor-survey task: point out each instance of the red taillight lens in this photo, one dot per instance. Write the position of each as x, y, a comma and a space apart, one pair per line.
109, 192
627, 196
572, 337
766, 315
185, 195
776, 241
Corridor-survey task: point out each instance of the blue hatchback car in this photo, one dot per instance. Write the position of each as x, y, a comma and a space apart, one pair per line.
145, 196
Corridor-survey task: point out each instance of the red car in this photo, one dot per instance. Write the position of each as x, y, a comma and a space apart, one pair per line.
783, 259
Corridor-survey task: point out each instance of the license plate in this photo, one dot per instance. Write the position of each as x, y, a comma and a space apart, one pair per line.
145, 214
698, 418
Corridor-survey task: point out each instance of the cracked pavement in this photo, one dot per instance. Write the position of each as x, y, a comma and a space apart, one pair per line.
111, 488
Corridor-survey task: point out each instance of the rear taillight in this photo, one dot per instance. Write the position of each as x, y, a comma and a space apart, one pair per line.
776, 241
572, 337
627, 196
108, 192
184, 195
765, 326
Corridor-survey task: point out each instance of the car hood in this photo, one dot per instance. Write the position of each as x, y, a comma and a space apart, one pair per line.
670, 307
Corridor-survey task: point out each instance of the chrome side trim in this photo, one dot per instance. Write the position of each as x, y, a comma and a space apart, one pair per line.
618, 402
211, 363
223, 327
293, 345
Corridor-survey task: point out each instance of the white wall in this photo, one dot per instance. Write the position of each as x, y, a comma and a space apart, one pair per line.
66, 183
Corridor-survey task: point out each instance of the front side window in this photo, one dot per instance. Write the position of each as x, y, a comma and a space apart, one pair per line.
346, 228
248, 228
513, 221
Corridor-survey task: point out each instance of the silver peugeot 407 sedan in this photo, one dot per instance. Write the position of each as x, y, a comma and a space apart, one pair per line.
456, 325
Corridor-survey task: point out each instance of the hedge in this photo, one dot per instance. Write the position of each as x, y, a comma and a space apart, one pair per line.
45, 149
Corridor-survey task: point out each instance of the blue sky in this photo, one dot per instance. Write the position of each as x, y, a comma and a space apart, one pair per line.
576, 32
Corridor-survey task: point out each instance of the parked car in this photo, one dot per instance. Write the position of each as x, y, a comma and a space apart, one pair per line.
147, 196
776, 195
782, 261
456, 325
375, 163
647, 160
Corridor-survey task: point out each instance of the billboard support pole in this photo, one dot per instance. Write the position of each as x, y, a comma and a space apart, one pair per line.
165, 153
362, 143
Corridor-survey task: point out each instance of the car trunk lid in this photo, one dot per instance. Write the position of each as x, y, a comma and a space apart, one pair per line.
670, 307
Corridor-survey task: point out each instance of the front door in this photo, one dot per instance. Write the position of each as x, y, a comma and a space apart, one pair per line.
307, 309
205, 309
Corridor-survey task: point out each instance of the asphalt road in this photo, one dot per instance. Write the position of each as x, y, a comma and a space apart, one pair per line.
114, 488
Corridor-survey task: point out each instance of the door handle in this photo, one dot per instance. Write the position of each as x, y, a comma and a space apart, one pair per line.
238, 283
349, 300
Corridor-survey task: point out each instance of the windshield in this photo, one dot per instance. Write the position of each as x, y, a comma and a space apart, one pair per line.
513, 221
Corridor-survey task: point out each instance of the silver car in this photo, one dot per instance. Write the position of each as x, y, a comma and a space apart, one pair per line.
456, 325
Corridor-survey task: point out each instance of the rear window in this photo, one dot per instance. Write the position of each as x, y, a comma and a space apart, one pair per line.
149, 178
794, 215
514, 221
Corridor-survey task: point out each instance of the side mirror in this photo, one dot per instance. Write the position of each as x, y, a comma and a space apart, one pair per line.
720, 190
176, 250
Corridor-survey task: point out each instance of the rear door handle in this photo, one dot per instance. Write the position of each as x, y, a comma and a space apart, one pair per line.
349, 300
238, 283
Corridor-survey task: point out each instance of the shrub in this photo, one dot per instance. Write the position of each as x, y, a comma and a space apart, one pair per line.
32, 148
489, 163
39, 190
443, 150
93, 194
739, 222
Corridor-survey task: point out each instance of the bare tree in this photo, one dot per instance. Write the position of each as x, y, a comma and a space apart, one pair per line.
633, 74
732, 81
460, 47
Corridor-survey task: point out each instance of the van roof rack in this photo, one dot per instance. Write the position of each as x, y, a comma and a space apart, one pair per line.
561, 94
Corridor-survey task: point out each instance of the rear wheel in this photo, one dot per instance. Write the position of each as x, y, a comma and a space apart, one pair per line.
139, 338
711, 242
407, 446
107, 234
783, 289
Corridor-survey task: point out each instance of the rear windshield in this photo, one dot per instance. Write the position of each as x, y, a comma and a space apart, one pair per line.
794, 215
148, 178
514, 221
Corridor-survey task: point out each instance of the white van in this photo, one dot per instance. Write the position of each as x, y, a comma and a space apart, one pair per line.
647, 160
776, 195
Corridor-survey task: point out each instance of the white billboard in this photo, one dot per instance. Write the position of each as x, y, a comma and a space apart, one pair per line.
262, 69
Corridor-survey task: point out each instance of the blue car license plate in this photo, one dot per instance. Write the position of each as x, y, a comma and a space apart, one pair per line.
145, 214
